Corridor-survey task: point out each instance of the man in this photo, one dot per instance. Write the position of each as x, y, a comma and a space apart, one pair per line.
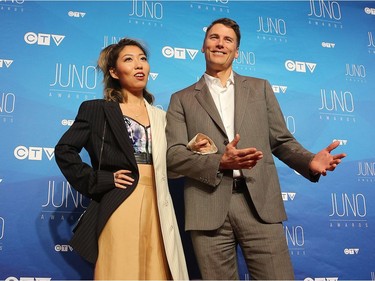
233, 196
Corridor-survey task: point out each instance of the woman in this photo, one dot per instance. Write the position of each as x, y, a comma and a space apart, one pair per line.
129, 229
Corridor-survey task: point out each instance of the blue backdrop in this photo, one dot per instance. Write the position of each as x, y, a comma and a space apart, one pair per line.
318, 55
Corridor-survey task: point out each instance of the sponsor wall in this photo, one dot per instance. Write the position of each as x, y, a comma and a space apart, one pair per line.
318, 55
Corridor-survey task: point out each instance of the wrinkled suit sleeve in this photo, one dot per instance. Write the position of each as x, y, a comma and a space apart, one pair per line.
89, 182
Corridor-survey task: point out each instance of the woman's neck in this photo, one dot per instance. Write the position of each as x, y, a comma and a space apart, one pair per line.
134, 99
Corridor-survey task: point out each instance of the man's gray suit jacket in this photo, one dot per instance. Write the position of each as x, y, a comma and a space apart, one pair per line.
259, 122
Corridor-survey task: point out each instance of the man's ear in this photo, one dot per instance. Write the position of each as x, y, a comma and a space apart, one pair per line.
112, 72
237, 53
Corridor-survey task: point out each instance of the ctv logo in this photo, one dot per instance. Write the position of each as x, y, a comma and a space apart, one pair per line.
32, 38
279, 89
11, 278
370, 11
351, 251
154, 75
33, 153
300, 66
321, 279
328, 45
76, 14
6, 63
63, 248
342, 142
179, 53
288, 196
67, 122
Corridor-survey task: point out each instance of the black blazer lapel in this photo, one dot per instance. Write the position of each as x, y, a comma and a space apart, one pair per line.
116, 123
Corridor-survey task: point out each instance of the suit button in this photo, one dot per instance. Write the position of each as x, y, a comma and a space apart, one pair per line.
226, 142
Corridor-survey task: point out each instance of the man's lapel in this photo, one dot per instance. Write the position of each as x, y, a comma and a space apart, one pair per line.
241, 96
206, 101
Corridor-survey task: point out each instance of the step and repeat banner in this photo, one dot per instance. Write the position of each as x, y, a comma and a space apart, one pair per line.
319, 57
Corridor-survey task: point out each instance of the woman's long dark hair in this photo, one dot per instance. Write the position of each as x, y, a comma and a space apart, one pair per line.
107, 60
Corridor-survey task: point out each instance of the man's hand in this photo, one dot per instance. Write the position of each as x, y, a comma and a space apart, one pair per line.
237, 159
323, 161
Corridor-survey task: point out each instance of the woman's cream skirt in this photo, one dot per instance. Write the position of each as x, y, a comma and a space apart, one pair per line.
131, 245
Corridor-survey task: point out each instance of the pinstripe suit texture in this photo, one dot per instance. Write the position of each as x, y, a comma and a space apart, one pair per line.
260, 123
100, 125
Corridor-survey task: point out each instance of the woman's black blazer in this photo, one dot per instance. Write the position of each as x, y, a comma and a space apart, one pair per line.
99, 128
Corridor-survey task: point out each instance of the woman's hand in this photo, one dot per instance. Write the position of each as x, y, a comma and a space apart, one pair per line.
201, 145
121, 178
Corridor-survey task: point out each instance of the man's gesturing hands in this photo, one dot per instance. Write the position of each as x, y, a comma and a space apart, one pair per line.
237, 159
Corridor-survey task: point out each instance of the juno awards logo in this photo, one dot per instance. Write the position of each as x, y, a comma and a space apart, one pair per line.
62, 202
295, 238
2, 227
219, 6
12, 6
147, 12
371, 44
7, 106
366, 171
348, 211
272, 29
337, 105
325, 13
